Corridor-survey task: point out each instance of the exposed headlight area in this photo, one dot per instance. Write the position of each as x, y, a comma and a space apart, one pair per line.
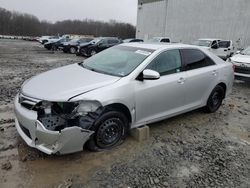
56, 116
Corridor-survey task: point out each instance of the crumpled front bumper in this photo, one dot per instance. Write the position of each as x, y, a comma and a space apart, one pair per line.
68, 140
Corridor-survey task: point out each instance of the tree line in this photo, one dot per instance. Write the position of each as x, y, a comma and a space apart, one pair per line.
21, 24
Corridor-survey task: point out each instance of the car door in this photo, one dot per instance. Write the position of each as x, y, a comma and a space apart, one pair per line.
102, 45
112, 42
201, 77
224, 49
156, 99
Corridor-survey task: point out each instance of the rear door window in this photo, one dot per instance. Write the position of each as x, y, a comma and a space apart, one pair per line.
112, 41
224, 44
195, 59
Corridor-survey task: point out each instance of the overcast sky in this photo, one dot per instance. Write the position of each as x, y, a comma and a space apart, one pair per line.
55, 10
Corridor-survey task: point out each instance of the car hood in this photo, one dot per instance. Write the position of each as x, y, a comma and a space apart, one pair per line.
204, 47
50, 42
64, 83
53, 40
86, 44
241, 58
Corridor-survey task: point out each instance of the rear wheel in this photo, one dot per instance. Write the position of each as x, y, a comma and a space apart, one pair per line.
215, 99
110, 130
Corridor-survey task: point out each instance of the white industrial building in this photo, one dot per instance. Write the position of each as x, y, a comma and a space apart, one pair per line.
187, 20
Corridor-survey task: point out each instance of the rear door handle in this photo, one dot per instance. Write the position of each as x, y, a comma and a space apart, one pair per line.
181, 80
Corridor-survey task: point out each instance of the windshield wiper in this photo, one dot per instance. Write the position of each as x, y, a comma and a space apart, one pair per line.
89, 68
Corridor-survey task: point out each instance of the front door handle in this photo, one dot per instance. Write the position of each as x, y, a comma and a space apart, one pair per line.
214, 73
181, 80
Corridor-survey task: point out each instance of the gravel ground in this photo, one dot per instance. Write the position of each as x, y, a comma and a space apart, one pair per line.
191, 150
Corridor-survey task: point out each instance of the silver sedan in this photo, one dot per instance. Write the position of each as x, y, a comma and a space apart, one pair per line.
96, 102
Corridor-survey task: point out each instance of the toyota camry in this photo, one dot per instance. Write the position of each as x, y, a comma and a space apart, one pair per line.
96, 102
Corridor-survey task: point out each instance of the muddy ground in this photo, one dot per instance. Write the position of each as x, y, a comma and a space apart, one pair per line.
191, 150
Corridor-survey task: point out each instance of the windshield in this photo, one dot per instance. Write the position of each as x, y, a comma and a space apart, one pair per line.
246, 51
206, 43
117, 61
96, 40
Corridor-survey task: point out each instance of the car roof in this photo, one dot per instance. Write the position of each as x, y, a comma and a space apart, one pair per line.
107, 37
210, 39
157, 46
161, 38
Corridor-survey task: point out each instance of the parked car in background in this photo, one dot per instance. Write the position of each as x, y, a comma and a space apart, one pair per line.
53, 39
54, 45
222, 48
97, 45
132, 40
72, 46
241, 61
74, 36
119, 89
159, 39
45, 39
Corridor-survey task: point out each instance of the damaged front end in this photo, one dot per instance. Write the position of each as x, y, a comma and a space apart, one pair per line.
56, 127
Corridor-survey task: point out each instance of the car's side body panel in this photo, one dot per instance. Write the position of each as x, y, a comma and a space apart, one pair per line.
242, 66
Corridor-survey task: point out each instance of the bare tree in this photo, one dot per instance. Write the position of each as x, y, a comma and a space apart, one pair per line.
15, 23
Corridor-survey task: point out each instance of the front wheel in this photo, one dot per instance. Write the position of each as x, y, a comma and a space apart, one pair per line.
53, 48
215, 99
111, 129
93, 52
72, 50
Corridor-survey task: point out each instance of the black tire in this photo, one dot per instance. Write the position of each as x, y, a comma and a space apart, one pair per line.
111, 130
72, 50
83, 53
92, 52
54, 48
215, 99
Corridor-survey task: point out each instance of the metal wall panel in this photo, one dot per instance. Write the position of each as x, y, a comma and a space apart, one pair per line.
187, 20
151, 20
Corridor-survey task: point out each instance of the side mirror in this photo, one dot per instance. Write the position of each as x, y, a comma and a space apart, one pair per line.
150, 75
